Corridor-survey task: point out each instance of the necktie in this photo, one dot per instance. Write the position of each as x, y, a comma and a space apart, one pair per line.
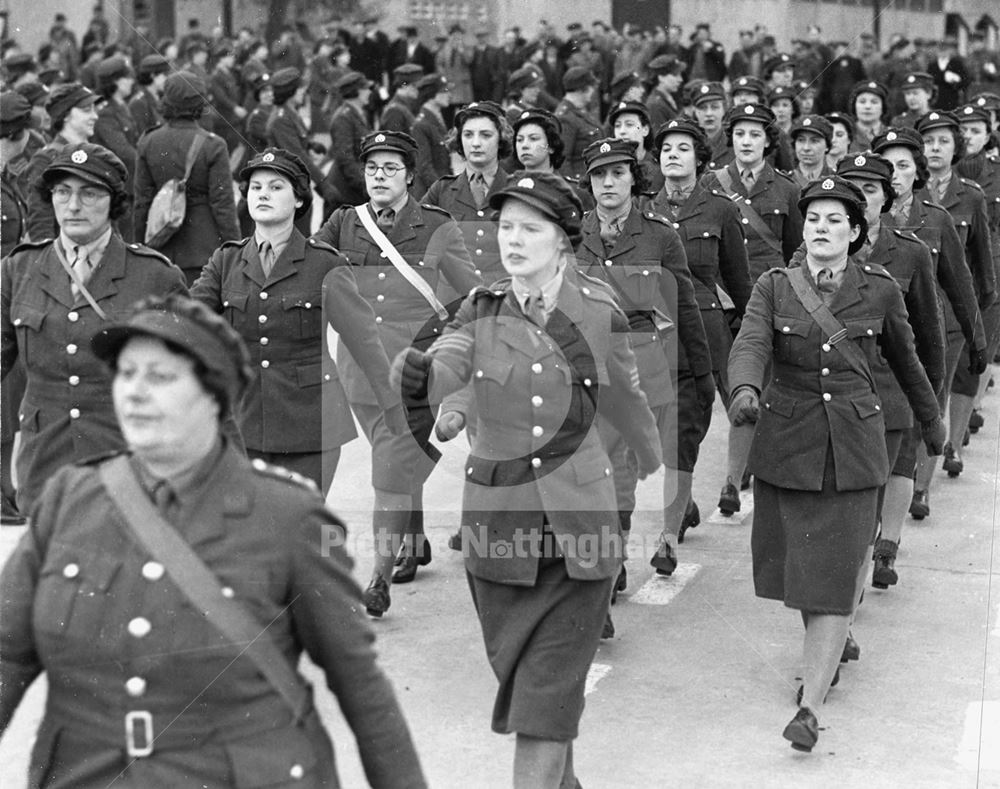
478, 186
934, 187
611, 231
824, 282
747, 177
164, 497
386, 219
267, 258
536, 309
82, 267
899, 215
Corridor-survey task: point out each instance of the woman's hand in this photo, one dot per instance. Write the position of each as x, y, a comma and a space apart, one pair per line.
449, 425
934, 435
744, 407
410, 371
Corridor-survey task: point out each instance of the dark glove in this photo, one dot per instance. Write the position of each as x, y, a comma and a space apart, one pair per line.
934, 435
410, 371
449, 425
648, 461
705, 387
977, 360
744, 406
395, 420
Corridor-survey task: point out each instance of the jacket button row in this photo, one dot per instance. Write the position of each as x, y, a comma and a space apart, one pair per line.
152, 571
536, 462
825, 371
71, 570
262, 319
139, 627
537, 401
74, 413
71, 349
135, 687
381, 275
265, 364
74, 380
73, 317
827, 397
536, 368
380, 298
264, 341
378, 319
263, 295
537, 431
826, 347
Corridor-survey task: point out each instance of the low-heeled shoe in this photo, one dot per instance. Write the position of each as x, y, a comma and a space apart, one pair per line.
665, 559
376, 597
920, 506
803, 730
692, 517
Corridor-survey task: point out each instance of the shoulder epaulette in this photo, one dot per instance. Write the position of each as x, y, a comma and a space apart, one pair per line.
31, 245
240, 242
786, 175
906, 235
973, 184
600, 284
720, 193
147, 252
876, 270
596, 291
317, 244
436, 209
154, 127
495, 291
285, 475
655, 217
100, 457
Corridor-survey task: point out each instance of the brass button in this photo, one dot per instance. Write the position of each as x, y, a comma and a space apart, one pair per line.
381, 275
827, 396
262, 319
265, 364
71, 349
826, 347
479, 232
71, 570
74, 380
478, 252
869, 332
479, 373
264, 341
73, 317
480, 213
537, 401
263, 295
537, 431
536, 368
139, 627
378, 319
74, 413
380, 298
296, 772
135, 687
536, 463
586, 382
228, 593
825, 371
786, 329
152, 571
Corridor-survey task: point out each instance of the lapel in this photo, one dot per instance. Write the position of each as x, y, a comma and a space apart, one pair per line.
632, 228
763, 183
592, 235
953, 194
103, 284
849, 293
694, 204
250, 259
226, 494
53, 279
885, 246
287, 263
407, 222
462, 191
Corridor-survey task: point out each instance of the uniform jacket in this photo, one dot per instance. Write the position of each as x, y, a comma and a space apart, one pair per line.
536, 451
433, 156
775, 198
347, 129
286, 129
907, 119
211, 210
225, 92
650, 166
66, 413
116, 130
647, 269
662, 108
430, 241
398, 55
397, 116
985, 171
41, 217
815, 399
256, 131
297, 402
721, 151
145, 109
709, 226
579, 130
78, 579
13, 213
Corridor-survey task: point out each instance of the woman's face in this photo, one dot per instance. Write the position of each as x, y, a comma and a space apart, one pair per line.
677, 157
270, 198
841, 141
612, 185
530, 243
782, 109
939, 148
629, 126
904, 170
827, 230
749, 142
385, 190
532, 146
82, 210
976, 134
480, 142
162, 407
266, 98
810, 149
81, 120
868, 108
874, 198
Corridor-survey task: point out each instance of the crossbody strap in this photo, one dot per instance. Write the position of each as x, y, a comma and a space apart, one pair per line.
75, 276
199, 140
835, 331
399, 263
753, 218
199, 584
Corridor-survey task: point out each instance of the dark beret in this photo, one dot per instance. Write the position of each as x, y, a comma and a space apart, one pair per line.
489, 109
708, 91
608, 151
112, 68
523, 77
937, 119
834, 187
65, 97
95, 164
184, 92
287, 164
154, 64
973, 112
35, 93
624, 107
814, 123
578, 78
898, 135
758, 113
397, 142
549, 193
15, 113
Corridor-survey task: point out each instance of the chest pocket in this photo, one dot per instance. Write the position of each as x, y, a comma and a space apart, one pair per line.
490, 376
963, 224
304, 315
701, 243
28, 323
866, 331
73, 590
234, 307
639, 283
790, 335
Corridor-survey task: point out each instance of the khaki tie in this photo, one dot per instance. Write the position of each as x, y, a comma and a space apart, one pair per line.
267, 258
611, 231
478, 185
747, 177
536, 309
934, 187
386, 219
827, 287
82, 267
164, 498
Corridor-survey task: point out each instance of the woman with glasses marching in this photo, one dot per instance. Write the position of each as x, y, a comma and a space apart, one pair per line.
398, 251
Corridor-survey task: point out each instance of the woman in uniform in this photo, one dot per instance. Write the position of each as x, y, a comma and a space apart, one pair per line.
811, 138
401, 293
840, 139
819, 452
869, 104
55, 294
710, 227
629, 120
280, 292
539, 147
546, 354
145, 687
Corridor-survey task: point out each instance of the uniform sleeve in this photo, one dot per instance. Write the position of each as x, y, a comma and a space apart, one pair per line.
220, 195
924, 316
754, 345
108, 132
329, 233
426, 173
791, 230
327, 611
343, 135
899, 350
453, 353
955, 279
734, 266
690, 328
8, 334
143, 192
453, 258
569, 132
433, 195
208, 287
979, 254
41, 216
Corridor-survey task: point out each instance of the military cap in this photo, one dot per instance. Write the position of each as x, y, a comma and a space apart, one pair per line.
489, 109
456, 28
524, 77
624, 80
665, 64
65, 97
539, 116
407, 74
625, 107
805, 88
872, 166
436, 82
578, 78
843, 119
987, 100
95, 164
35, 93
679, 126
223, 48
287, 164
18, 64
547, 192
937, 119
750, 84
112, 68
50, 75
780, 92
195, 45
259, 82
286, 81
184, 92
919, 79
968, 113
396, 142
757, 113
708, 91
833, 187
779, 62
898, 135
868, 86
608, 151
813, 123
482, 32
154, 64
15, 113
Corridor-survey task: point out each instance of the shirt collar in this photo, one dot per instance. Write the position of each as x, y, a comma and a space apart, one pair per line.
278, 243
618, 218
95, 249
837, 270
549, 292
398, 206
186, 484
488, 175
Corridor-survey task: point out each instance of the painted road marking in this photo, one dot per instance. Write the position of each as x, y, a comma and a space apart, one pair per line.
660, 589
982, 726
597, 672
737, 518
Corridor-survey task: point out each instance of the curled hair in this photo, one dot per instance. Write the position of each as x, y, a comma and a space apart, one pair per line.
702, 151
244, 187
770, 130
640, 182
120, 201
553, 138
505, 146
956, 135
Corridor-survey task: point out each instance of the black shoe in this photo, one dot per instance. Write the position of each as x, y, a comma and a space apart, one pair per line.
966, 438
376, 597
976, 421
620, 583
803, 730
455, 541
422, 558
729, 499
691, 519
406, 570
884, 575
920, 506
745, 480
9, 513
665, 559
953, 465
852, 651
608, 631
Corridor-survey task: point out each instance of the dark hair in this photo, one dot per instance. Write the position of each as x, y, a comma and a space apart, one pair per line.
770, 130
640, 183
244, 187
956, 135
843, 120
702, 151
919, 161
120, 201
504, 148
14, 135
554, 139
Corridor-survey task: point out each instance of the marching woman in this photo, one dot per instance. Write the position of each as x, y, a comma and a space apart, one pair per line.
819, 452
168, 592
546, 354
399, 250
812, 136
869, 104
629, 120
539, 147
840, 139
279, 292
710, 228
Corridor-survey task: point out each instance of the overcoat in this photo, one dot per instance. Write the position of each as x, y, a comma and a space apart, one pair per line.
433, 156
579, 130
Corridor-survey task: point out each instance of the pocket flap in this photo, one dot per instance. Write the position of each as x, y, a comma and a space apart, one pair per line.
866, 405
780, 404
494, 370
27, 316
705, 232
91, 572
590, 469
785, 324
480, 470
237, 301
283, 758
863, 327
301, 302
309, 374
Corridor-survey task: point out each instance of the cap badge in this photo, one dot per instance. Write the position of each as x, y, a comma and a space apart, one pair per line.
981, 101
748, 110
380, 138
267, 157
78, 157
622, 105
968, 110
525, 114
672, 125
605, 148
807, 122
911, 78
891, 136
827, 184
933, 116
859, 162
526, 183
872, 85
704, 88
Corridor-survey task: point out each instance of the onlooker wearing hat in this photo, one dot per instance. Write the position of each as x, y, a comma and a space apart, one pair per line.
869, 104
840, 76
523, 90
145, 102
662, 100
47, 315
918, 93
904, 148
706, 59
210, 219
195, 54
629, 120
431, 132
745, 61
817, 475
748, 89
709, 102
541, 612
225, 91
487, 80
453, 60
811, 137
348, 128
398, 114
627, 86
286, 417
950, 74
18, 68
779, 71
115, 128
619, 239
322, 77
408, 48
579, 128
431, 244
40, 129
841, 138
710, 228
73, 111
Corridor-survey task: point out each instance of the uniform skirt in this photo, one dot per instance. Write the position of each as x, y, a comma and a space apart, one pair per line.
808, 546
540, 641
400, 464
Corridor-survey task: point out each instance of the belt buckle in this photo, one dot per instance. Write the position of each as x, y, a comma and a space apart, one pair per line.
143, 721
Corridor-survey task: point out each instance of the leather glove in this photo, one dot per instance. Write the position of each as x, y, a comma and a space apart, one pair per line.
411, 370
449, 425
705, 388
977, 360
934, 435
395, 420
648, 462
744, 406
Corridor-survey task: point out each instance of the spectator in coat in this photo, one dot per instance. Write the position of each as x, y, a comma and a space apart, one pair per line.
454, 60
115, 128
145, 103
486, 82
409, 49
843, 73
431, 132
348, 129
950, 75
225, 91
398, 114
706, 58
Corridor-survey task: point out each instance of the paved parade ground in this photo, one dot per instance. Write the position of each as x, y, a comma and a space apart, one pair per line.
700, 679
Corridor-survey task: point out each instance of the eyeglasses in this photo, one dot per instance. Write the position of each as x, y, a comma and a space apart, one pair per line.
87, 196
390, 168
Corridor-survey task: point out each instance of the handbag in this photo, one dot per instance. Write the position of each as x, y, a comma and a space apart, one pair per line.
169, 206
